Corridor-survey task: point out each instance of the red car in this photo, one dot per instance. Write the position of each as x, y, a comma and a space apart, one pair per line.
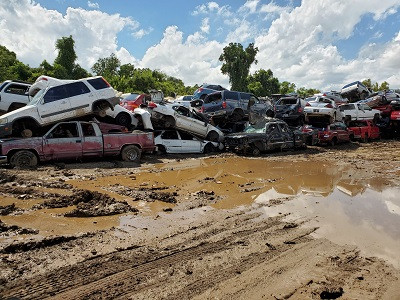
364, 130
132, 101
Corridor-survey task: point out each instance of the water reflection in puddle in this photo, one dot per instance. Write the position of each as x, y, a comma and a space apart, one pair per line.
367, 218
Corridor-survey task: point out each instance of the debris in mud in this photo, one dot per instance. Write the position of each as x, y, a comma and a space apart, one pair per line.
250, 189
104, 207
290, 225
164, 197
332, 293
8, 209
5, 177
15, 230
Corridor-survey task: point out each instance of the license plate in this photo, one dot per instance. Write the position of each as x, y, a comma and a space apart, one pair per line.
316, 110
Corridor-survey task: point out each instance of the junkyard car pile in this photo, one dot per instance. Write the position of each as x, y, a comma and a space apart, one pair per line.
56, 119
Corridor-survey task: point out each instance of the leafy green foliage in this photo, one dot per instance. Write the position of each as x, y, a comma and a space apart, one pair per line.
287, 87
375, 86
304, 93
66, 57
236, 64
263, 83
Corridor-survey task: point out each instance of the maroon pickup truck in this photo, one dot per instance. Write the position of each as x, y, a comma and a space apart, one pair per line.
364, 130
74, 140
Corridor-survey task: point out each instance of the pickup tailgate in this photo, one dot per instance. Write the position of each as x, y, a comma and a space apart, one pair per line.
113, 143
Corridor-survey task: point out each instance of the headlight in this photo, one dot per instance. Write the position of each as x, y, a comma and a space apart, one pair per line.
3, 121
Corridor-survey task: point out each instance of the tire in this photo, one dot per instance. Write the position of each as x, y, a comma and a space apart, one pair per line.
333, 142
212, 136
131, 153
365, 138
209, 148
376, 119
26, 133
23, 159
255, 151
123, 119
169, 122
161, 150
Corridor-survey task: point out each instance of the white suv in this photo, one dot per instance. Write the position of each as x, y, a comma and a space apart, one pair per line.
13, 95
59, 100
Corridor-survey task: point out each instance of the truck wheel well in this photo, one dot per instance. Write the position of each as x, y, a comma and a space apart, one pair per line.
100, 105
12, 152
23, 123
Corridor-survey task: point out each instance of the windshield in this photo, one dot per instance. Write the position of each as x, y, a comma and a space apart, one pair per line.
37, 97
287, 101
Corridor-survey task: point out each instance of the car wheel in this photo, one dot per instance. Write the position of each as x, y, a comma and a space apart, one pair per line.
212, 136
169, 122
131, 153
23, 159
333, 141
26, 133
161, 150
365, 138
123, 119
255, 151
208, 148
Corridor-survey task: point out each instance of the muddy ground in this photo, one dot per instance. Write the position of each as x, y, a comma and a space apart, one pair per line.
321, 223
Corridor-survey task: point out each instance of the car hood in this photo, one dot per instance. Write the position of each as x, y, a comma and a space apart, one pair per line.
20, 112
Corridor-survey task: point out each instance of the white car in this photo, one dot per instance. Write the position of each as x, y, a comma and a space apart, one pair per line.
174, 141
359, 111
13, 95
184, 118
184, 100
322, 107
58, 100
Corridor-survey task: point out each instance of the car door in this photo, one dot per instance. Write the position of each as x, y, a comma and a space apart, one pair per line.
92, 145
274, 136
80, 98
182, 117
63, 142
54, 105
189, 143
171, 141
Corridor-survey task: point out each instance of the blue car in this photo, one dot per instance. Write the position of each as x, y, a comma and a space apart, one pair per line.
206, 89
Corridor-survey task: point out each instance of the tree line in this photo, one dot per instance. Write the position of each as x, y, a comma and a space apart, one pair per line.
236, 63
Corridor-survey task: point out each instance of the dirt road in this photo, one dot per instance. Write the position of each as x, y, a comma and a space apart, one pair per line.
323, 223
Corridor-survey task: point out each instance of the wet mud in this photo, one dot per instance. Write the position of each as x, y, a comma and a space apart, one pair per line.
318, 224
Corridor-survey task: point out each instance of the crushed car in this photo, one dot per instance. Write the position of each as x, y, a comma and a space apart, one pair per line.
74, 140
270, 134
176, 141
290, 110
334, 134
181, 117
322, 108
132, 100
364, 130
355, 91
13, 95
59, 100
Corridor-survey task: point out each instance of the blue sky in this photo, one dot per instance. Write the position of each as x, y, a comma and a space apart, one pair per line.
313, 43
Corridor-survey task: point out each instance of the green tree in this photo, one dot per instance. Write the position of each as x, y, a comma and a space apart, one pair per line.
287, 87
107, 67
263, 83
367, 83
127, 70
384, 86
66, 57
236, 64
304, 92
7, 60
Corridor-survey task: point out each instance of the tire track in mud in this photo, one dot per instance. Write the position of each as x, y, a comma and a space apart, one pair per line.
109, 275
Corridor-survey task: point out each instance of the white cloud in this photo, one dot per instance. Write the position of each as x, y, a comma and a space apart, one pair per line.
94, 32
141, 33
193, 60
93, 4
299, 45
205, 25
211, 8
250, 6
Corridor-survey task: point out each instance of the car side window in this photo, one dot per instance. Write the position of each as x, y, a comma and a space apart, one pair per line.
88, 129
16, 89
76, 88
231, 95
63, 130
186, 136
55, 93
170, 135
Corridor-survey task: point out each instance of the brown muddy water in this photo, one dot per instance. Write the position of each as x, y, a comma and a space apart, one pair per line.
348, 204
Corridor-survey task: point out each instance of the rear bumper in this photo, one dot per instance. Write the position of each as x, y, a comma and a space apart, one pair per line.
3, 160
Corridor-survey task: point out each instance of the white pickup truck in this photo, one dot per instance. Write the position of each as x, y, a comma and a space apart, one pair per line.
359, 111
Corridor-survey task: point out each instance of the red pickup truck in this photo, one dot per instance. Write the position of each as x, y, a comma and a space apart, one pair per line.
74, 140
364, 130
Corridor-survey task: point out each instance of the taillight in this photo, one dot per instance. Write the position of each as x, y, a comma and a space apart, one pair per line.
308, 104
300, 109
152, 105
329, 105
224, 104
200, 89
